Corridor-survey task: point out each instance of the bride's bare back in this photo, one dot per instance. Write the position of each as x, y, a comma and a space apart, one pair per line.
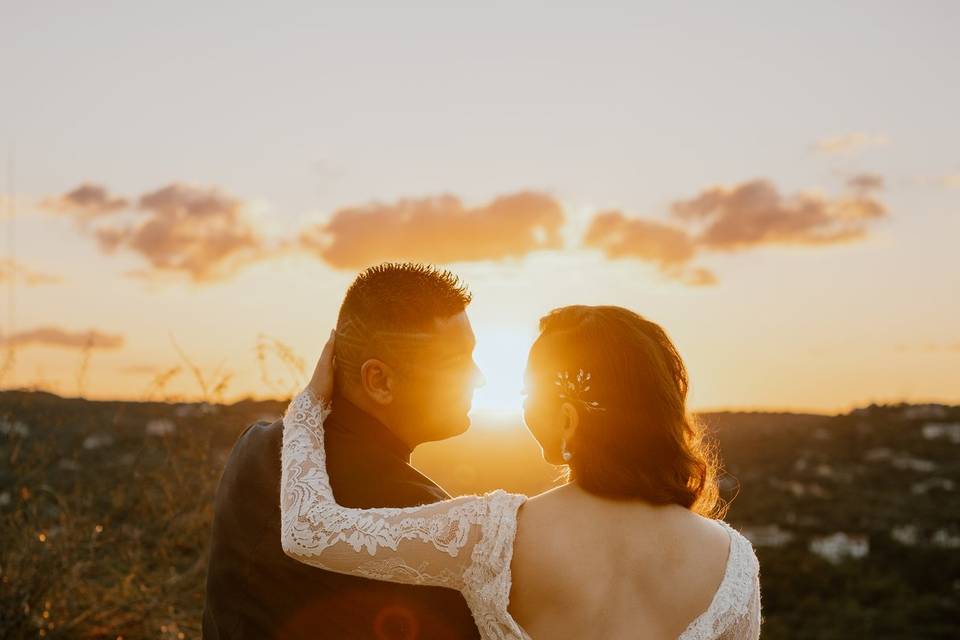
589, 567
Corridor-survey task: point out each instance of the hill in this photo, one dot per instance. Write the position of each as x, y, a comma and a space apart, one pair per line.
105, 510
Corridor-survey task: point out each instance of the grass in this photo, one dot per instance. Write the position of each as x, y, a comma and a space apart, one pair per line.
112, 541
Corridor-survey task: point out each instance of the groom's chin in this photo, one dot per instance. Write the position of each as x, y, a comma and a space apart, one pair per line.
461, 426
446, 428
458, 426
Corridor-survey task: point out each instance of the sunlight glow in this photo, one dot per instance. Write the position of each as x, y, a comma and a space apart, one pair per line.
501, 354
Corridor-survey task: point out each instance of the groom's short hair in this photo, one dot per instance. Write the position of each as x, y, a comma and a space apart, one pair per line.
388, 301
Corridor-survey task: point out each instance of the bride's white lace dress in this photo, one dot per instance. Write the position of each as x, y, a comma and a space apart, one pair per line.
465, 543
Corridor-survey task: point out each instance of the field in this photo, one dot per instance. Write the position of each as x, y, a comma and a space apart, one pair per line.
105, 510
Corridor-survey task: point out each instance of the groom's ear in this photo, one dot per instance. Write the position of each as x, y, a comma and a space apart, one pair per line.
376, 378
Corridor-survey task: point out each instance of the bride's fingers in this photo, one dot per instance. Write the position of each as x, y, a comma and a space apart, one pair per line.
326, 356
322, 381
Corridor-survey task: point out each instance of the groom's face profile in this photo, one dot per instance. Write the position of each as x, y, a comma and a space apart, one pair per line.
421, 383
434, 386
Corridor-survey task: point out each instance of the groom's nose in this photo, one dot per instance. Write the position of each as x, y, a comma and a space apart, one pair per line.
479, 379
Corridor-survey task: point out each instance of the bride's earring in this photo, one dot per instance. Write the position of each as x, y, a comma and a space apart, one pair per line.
566, 455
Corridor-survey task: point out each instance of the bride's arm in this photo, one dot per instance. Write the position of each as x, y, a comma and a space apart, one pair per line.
430, 544
747, 625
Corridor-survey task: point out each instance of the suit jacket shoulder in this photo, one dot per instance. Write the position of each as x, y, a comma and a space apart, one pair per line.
255, 590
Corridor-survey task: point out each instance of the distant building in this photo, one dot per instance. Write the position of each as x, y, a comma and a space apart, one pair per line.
97, 440
905, 534
15, 427
948, 430
187, 409
923, 412
913, 464
877, 454
943, 538
799, 489
770, 535
160, 427
920, 488
838, 546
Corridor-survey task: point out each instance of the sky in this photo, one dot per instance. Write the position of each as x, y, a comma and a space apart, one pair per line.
189, 188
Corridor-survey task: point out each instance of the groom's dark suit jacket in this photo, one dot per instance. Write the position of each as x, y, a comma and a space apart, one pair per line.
255, 591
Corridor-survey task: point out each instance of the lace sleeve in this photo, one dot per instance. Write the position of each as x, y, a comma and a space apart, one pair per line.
431, 544
747, 626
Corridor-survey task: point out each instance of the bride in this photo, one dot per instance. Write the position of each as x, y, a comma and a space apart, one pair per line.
632, 545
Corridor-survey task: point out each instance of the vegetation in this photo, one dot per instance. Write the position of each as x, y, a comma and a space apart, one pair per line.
105, 511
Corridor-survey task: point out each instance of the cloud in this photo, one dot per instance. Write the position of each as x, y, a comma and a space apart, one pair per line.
188, 231
86, 202
736, 218
669, 247
850, 142
754, 213
436, 229
56, 337
865, 182
10, 269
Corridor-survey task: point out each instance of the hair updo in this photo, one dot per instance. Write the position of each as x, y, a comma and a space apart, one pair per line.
643, 444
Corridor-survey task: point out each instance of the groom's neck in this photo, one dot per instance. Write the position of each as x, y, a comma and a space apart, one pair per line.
399, 427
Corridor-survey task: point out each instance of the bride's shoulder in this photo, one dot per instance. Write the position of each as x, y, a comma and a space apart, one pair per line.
742, 553
733, 532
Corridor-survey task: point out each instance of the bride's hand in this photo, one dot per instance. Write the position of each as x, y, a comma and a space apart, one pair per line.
322, 382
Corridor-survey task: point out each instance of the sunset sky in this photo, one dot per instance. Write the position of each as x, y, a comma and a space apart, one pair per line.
778, 186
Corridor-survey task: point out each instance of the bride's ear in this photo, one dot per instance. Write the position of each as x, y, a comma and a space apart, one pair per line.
571, 420
376, 378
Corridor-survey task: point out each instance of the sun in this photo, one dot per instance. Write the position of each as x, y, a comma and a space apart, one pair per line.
501, 354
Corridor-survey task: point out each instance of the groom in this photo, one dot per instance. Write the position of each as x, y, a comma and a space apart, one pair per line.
405, 376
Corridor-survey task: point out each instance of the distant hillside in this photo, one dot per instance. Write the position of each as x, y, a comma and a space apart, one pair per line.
105, 510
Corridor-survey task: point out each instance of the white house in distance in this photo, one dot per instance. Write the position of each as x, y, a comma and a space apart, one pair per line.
770, 535
948, 430
839, 546
923, 412
160, 427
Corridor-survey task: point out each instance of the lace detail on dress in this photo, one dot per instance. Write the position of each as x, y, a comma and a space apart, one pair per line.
734, 612
488, 580
465, 543
391, 568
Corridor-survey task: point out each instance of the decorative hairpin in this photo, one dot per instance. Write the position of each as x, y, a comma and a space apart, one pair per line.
575, 389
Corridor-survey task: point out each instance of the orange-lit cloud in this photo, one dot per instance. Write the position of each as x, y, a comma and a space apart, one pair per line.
865, 182
436, 229
850, 142
10, 269
57, 337
669, 247
754, 213
86, 202
737, 218
198, 233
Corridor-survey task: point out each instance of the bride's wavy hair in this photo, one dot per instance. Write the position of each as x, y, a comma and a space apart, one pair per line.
642, 443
